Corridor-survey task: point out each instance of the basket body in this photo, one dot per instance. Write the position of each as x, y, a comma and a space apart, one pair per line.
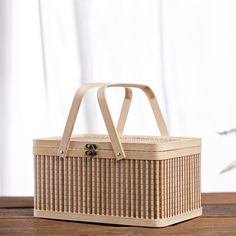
158, 183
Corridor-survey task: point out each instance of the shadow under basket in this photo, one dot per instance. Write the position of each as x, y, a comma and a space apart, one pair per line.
158, 184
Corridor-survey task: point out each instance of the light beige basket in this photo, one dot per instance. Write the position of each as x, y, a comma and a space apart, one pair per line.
118, 179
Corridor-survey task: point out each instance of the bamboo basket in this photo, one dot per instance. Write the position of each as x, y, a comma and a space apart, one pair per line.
149, 181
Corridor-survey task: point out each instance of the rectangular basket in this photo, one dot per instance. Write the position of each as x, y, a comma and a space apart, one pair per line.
151, 181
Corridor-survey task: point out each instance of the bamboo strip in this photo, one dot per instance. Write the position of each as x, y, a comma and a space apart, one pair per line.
146, 186
161, 182
199, 181
102, 187
139, 189
52, 185
126, 187
79, 184
174, 196
189, 185
69, 187
88, 184
38, 182
61, 183
82, 185
191, 180
142, 181
43, 185
181, 183
171, 180
186, 184
35, 183
196, 186
106, 187
194, 182
110, 186
168, 188
65, 192
75, 185
176, 187
119, 188
86, 170
115, 181
131, 189
91, 186
196, 173
99, 187
135, 189
151, 190
157, 197
56, 178
95, 180
164, 189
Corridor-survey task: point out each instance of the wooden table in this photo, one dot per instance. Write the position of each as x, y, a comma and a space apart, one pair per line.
219, 218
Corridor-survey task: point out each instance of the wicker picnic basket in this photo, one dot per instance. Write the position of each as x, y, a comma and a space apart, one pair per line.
149, 181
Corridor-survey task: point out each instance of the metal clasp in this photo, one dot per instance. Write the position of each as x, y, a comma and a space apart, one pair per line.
90, 150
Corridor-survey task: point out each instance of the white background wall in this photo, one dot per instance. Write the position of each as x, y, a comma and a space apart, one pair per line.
183, 49
199, 45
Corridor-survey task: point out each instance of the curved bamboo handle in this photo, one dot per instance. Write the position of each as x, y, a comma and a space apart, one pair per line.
63, 146
115, 141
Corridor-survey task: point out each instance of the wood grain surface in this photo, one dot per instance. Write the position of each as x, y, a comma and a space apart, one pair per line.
219, 218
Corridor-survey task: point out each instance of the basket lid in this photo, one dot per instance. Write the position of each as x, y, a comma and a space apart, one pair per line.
133, 145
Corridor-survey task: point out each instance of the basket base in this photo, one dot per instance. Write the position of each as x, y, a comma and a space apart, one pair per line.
117, 219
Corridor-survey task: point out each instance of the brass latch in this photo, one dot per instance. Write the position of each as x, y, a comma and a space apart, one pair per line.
90, 150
